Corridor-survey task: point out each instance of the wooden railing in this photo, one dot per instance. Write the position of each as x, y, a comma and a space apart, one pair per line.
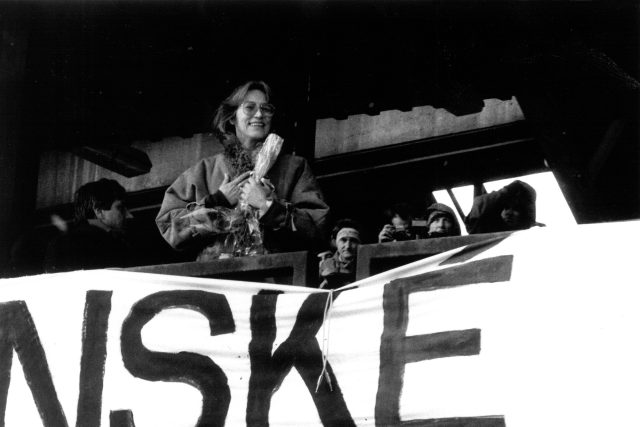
379, 257
290, 268
301, 268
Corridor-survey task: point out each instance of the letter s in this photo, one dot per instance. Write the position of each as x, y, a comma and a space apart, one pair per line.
194, 369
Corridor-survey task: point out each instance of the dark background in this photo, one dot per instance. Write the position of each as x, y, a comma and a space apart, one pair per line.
117, 71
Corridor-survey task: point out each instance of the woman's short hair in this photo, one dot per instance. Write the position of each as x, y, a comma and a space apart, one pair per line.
96, 195
226, 111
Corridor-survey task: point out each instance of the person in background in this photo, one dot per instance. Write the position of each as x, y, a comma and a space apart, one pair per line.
292, 210
398, 227
27, 253
97, 237
339, 268
513, 207
442, 221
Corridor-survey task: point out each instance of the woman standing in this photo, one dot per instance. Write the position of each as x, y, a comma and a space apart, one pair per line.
292, 212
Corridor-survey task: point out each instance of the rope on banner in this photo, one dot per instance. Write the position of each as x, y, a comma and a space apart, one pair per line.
326, 329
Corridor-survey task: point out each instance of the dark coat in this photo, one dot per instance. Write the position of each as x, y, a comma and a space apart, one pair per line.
295, 221
484, 216
87, 247
335, 273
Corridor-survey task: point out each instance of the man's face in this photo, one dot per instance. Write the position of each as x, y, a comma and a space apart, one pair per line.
347, 244
441, 225
115, 217
511, 216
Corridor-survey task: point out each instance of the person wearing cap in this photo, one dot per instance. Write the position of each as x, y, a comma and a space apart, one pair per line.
339, 268
441, 221
511, 208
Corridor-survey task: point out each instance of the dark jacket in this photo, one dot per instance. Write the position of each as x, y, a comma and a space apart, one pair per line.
295, 220
87, 247
335, 273
484, 216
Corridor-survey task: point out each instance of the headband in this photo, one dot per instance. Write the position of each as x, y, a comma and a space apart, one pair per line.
348, 232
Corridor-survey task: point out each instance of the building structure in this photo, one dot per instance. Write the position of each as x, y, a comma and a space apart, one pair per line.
398, 97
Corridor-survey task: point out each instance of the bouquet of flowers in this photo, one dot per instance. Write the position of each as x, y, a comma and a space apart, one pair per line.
240, 225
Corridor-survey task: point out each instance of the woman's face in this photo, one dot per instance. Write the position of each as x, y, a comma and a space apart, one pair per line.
251, 122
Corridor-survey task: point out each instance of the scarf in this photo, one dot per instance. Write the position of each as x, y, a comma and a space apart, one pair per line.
238, 159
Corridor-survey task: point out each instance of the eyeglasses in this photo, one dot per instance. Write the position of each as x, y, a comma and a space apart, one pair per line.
250, 108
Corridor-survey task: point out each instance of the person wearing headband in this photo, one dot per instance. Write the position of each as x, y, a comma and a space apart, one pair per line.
339, 269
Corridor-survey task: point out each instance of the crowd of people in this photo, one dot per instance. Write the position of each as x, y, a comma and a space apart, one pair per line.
511, 208
287, 204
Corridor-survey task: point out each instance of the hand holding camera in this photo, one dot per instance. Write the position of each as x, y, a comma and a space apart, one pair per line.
389, 233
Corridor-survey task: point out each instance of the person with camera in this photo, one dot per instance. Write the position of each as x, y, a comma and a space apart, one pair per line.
398, 227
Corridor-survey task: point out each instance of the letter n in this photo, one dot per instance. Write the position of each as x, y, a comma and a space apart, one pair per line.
18, 331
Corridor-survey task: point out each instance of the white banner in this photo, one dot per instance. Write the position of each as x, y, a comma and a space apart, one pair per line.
536, 329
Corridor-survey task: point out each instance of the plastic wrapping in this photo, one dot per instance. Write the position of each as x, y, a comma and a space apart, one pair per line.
205, 221
267, 155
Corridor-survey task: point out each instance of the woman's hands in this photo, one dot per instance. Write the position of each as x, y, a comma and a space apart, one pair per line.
245, 187
258, 194
233, 189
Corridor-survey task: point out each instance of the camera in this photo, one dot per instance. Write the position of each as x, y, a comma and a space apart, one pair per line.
401, 233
